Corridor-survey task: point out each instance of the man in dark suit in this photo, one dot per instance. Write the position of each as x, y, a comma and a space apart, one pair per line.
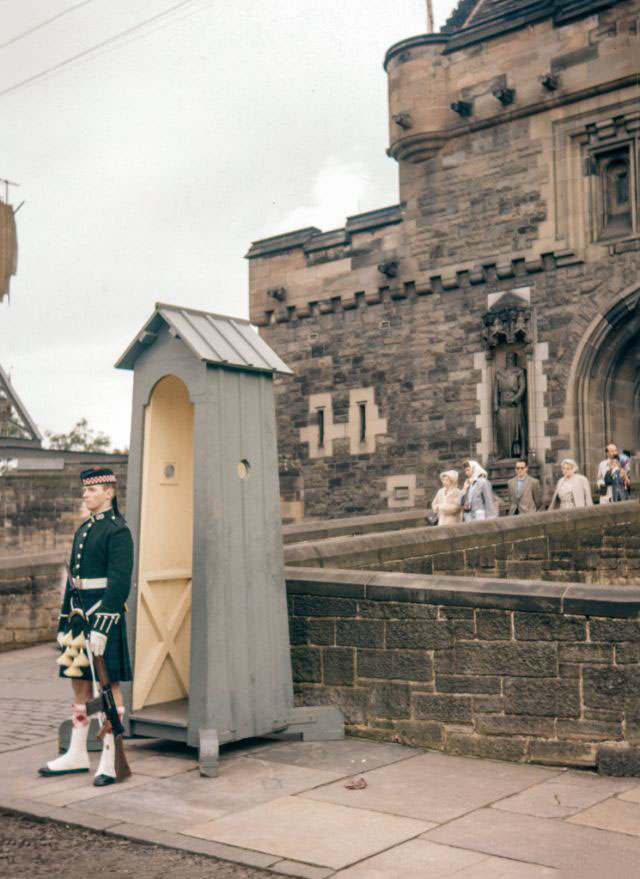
524, 491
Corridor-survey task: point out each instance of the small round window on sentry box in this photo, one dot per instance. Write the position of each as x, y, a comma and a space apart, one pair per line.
169, 473
243, 468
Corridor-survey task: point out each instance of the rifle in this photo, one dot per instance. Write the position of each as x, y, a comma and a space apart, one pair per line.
103, 703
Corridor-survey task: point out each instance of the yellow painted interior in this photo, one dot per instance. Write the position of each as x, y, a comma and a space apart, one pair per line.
163, 629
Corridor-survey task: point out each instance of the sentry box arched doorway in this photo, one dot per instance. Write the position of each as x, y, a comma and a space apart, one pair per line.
207, 619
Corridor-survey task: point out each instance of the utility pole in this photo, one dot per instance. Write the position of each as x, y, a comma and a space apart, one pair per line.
429, 16
7, 184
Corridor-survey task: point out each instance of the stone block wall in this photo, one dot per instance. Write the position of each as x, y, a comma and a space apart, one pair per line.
30, 597
538, 672
506, 199
596, 545
418, 347
354, 525
485, 183
40, 509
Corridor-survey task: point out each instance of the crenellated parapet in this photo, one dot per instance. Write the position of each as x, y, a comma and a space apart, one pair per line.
291, 273
450, 280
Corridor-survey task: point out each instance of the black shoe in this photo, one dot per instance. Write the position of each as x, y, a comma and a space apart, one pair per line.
103, 780
48, 773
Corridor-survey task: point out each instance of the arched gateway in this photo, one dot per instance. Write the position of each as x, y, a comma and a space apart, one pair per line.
605, 382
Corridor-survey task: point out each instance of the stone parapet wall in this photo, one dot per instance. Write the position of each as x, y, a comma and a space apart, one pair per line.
30, 597
531, 672
40, 509
596, 545
354, 525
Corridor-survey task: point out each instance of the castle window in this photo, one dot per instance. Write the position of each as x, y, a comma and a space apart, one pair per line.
615, 197
320, 428
363, 421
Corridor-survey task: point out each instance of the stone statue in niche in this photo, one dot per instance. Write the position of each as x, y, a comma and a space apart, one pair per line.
510, 409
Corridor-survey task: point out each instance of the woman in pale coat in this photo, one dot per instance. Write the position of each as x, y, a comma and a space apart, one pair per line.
477, 494
573, 489
446, 503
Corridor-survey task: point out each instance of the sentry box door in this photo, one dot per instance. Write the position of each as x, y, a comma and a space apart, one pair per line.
163, 621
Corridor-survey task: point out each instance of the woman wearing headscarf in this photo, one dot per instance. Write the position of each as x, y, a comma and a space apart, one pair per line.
477, 494
446, 503
573, 489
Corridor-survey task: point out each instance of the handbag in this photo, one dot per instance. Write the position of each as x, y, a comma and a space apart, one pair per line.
432, 519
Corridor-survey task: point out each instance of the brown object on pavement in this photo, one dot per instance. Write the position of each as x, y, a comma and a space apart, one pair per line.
356, 784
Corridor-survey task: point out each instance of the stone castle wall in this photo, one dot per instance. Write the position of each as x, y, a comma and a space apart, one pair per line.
387, 313
598, 545
540, 672
41, 509
30, 597
421, 351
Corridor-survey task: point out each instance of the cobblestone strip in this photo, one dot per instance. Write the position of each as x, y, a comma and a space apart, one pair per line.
25, 722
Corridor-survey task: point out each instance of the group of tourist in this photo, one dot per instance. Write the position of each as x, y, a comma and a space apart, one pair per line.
475, 499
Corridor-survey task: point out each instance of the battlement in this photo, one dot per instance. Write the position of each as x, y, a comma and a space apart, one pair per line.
287, 272
312, 239
458, 277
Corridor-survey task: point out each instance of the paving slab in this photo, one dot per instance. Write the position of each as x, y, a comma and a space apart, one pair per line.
420, 859
322, 834
242, 783
147, 808
351, 756
434, 787
160, 766
75, 793
199, 846
25, 761
34, 786
564, 795
613, 814
303, 871
632, 795
545, 841
76, 817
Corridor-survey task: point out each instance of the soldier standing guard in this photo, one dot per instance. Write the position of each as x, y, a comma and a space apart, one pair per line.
101, 564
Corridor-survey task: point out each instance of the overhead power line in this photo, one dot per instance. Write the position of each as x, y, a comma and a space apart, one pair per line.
44, 23
96, 47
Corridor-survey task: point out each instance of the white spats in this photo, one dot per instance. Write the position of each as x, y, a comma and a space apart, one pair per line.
76, 759
106, 766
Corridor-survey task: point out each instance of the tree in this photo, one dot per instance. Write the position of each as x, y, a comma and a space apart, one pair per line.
81, 438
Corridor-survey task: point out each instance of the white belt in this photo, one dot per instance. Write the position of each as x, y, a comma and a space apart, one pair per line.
91, 582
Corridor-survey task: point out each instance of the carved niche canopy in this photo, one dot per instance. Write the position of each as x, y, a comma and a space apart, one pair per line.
507, 322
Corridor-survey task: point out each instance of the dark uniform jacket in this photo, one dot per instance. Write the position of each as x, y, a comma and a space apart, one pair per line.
103, 548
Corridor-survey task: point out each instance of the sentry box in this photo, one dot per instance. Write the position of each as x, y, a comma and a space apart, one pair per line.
207, 620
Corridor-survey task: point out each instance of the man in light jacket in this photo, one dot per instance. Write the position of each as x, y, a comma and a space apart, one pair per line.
524, 491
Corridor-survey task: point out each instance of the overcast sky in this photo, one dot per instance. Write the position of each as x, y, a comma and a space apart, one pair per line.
148, 166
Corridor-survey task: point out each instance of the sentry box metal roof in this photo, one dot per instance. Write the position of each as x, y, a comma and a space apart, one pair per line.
213, 338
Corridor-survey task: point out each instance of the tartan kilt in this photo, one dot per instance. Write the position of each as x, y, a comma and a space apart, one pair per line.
116, 654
